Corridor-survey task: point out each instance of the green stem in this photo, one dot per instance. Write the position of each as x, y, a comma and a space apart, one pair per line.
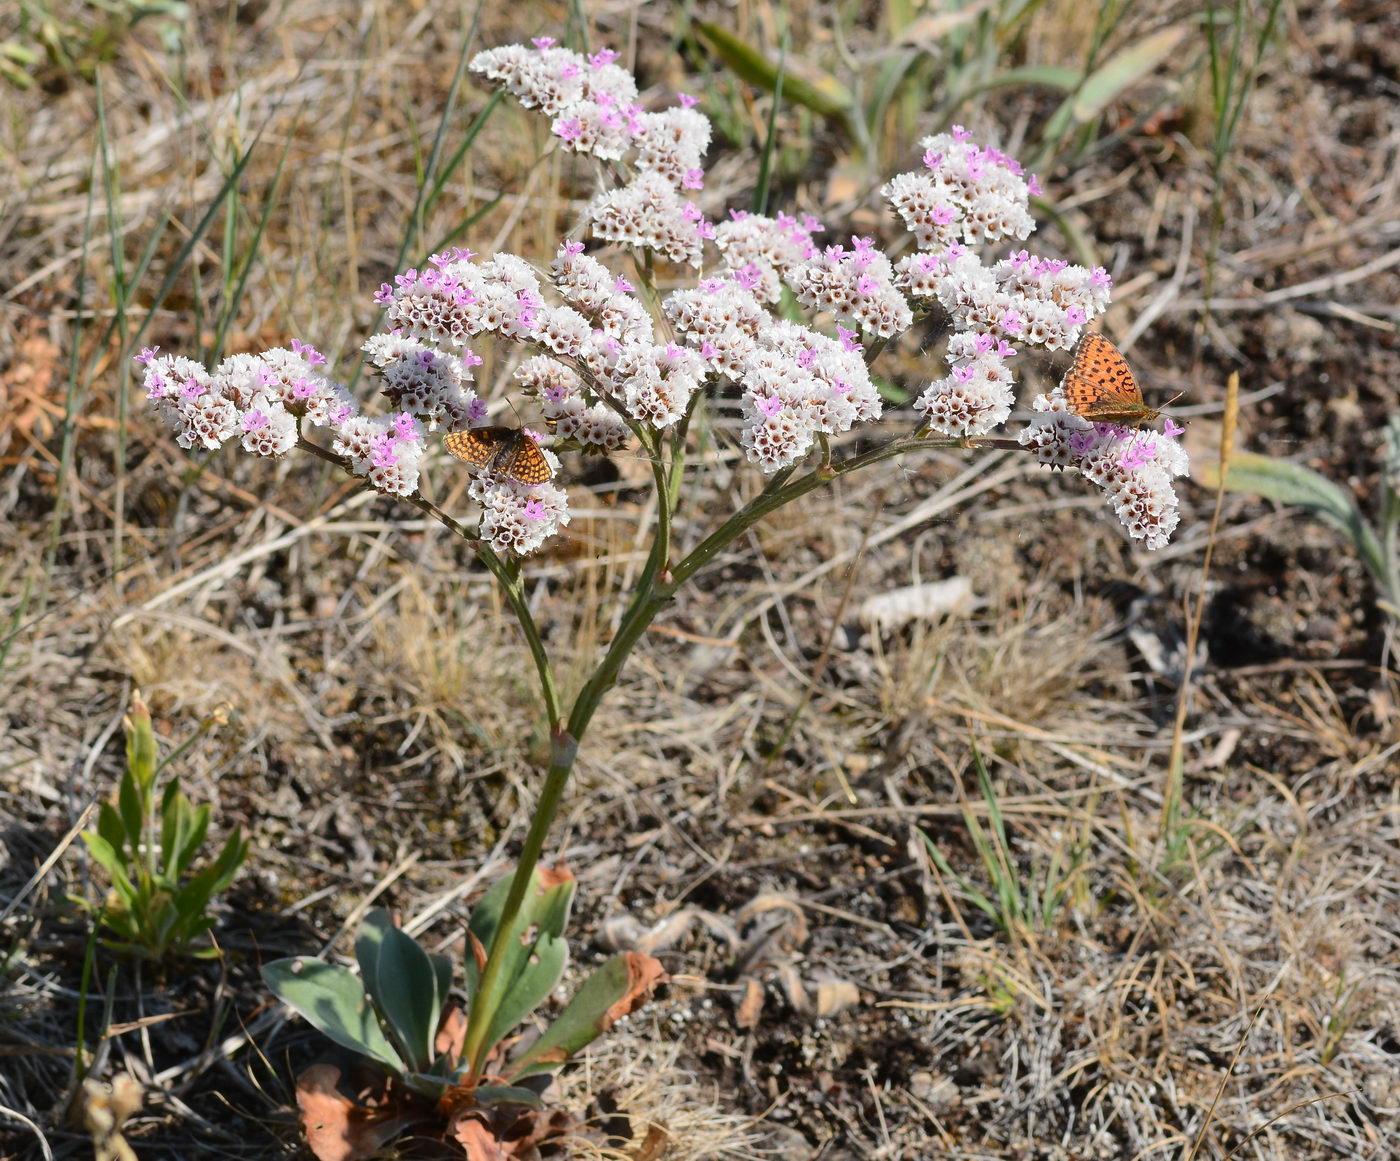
648, 600
563, 751
500, 569
654, 589
779, 492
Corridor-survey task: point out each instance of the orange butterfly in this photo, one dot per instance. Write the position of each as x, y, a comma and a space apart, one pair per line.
504, 451
1100, 386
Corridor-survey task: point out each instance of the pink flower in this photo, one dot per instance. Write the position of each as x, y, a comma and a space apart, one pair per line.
146, 355
850, 340
770, 406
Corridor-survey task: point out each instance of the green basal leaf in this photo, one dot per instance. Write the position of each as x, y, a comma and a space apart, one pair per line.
111, 827
332, 1000
194, 894
442, 970
1295, 484
131, 807
1111, 79
367, 944
536, 951
582, 1021
506, 1094
174, 823
111, 862
406, 993
197, 826
1062, 79
813, 89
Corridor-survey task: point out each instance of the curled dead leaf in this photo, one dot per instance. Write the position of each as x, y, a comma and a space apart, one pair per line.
835, 995
478, 1141
336, 1127
644, 975
553, 876
507, 1132
106, 1108
750, 1004
451, 1033
653, 1145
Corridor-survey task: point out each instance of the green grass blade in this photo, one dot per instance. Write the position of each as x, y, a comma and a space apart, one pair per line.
823, 94
765, 163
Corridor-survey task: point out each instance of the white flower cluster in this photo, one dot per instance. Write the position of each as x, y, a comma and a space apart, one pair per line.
722, 319
518, 518
796, 384
260, 399
1134, 469
426, 382
604, 299
648, 212
855, 284
771, 247
385, 449
594, 108
1022, 298
978, 393
590, 97
673, 142
603, 369
967, 191
595, 427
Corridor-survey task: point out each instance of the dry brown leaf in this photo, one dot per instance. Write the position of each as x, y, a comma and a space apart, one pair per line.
653, 1145
644, 975
793, 986
751, 1005
476, 1139
338, 1129
451, 1033
106, 1108
835, 995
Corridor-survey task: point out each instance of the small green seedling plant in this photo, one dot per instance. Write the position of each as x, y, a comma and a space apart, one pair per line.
148, 843
1019, 904
400, 1013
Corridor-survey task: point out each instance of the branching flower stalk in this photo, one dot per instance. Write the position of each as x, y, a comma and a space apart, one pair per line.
611, 366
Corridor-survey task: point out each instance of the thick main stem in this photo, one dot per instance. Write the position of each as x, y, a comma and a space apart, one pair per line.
563, 750
654, 590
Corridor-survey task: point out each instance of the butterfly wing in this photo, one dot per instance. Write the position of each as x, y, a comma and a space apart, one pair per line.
522, 459
1099, 384
506, 451
478, 446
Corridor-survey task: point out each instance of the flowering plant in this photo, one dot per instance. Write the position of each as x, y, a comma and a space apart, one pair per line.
613, 361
